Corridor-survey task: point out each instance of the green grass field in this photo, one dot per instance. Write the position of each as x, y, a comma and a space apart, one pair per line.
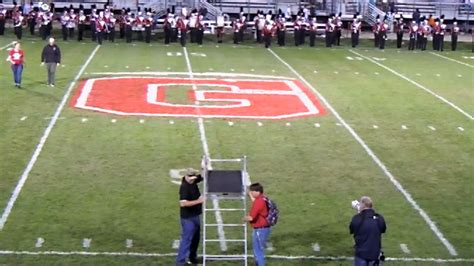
106, 177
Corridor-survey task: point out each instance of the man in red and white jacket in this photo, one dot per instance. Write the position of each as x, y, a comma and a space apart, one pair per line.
16, 57
257, 219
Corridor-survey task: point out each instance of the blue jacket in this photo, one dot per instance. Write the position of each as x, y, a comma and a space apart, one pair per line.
367, 228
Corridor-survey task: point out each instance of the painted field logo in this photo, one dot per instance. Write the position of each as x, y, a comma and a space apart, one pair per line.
218, 98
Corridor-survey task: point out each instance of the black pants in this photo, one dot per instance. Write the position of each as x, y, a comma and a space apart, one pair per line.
100, 36
71, 32
93, 31
355, 39
441, 42
44, 31
399, 39
281, 37
312, 38
337, 39
424, 42
80, 32
147, 34
236, 37
193, 35
32, 25
112, 34
2, 27
411, 44
297, 37
436, 42
259, 35
167, 35
302, 36
454, 42
200, 36
241, 35
419, 41
174, 34
376, 40
220, 34
64, 32
139, 35
128, 33
18, 32
329, 38
183, 37
382, 38
268, 40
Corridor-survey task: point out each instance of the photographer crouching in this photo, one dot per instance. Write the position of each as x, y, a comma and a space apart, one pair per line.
367, 227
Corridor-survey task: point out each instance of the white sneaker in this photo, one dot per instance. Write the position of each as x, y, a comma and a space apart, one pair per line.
52, 85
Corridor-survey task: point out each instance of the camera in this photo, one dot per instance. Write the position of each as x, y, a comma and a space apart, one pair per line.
355, 205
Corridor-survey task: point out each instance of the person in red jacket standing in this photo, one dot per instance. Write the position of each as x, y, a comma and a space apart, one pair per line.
16, 57
257, 219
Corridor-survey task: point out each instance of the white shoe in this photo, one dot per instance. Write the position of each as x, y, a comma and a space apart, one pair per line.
52, 85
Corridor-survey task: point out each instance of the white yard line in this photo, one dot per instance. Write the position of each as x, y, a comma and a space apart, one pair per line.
283, 257
205, 147
6, 46
457, 108
452, 60
376, 159
39, 147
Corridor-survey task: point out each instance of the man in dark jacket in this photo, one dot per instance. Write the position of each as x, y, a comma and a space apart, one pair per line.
51, 56
367, 228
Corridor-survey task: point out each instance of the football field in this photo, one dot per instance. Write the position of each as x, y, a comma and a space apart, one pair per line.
85, 166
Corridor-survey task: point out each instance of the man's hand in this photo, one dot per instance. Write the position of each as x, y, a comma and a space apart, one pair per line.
248, 218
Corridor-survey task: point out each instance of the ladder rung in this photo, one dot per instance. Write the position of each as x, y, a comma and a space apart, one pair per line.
224, 197
225, 257
225, 160
229, 225
224, 240
228, 210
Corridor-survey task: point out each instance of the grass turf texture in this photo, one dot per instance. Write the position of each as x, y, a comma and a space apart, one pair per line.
110, 182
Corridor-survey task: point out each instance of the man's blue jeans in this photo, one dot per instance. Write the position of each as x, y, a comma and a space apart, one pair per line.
363, 262
260, 237
17, 70
190, 237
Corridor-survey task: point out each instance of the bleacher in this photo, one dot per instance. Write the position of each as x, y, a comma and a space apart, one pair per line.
407, 8
233, 6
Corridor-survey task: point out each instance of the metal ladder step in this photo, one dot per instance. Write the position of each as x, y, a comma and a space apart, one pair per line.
224, 240
225, 210
228, 225
226, 257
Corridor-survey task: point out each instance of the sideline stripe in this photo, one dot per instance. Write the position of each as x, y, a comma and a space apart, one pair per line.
39, 147
205, 147
417, 84
283, 257
6, 46
374, 157
453, 60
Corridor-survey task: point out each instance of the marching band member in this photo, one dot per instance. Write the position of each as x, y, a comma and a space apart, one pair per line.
375, 30
355, 31
93, 17
18, 22
436, 35
426, 30
454, 35
128, 27
281, 31
182, 26
100, 27
46, 19
138, 26
441, 34
304, 23
3, 16
72, 23
338, 30
383, 26
64, 21
413, 34
200, 29
236, 26
297, 30
268, 32
32, 18
313, 27
399, 29
329, 32
259, 25
220, 28
242, 27
193, 25
110, 23
121, 21
148, 22
81, 20
167, 27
